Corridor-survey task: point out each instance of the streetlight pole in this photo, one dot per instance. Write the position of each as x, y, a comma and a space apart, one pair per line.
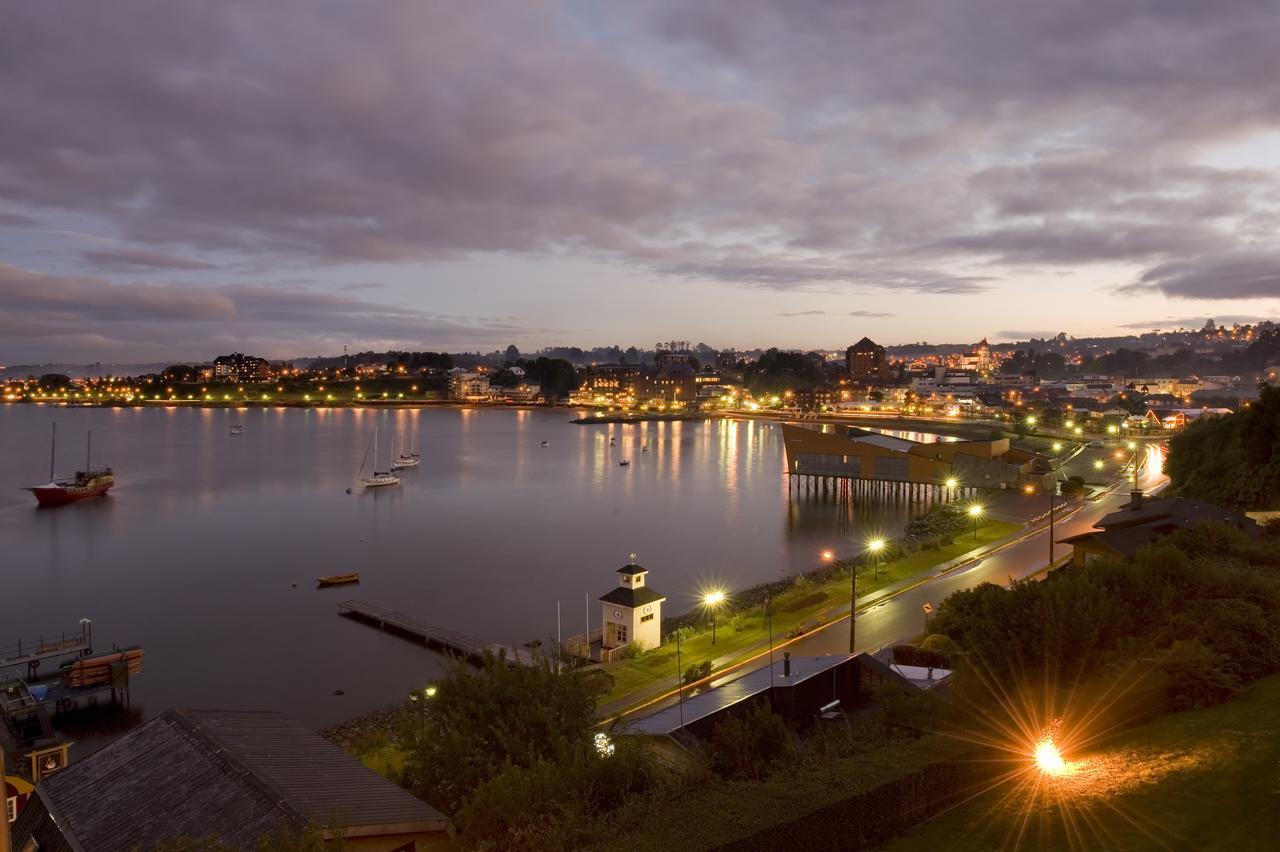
1053, 499
853, 605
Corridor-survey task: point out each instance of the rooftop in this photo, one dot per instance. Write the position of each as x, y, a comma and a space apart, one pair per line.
233, 776
708, 703
633, 597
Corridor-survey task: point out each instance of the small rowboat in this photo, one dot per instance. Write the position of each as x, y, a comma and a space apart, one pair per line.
338, 580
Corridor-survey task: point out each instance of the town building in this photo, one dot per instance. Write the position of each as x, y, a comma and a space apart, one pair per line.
673, 384
469, 387
865, 361
632, 613
238, 367
1143, 521
610, 384
1173, 419
232, 778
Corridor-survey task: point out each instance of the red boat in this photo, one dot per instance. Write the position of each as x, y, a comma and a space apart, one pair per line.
90, 482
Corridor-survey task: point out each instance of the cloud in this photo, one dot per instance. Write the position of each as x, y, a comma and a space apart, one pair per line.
850, 148
1192, 322
48, 316
1242, 275
1017, 336
804, 314
137, 260
868, 314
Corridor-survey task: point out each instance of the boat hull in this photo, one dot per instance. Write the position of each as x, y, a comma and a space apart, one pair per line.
61, 495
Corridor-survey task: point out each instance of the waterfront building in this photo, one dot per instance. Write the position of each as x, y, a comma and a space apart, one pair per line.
632, 613
238, 367
610, 384
469, 387
865, 361
673, 384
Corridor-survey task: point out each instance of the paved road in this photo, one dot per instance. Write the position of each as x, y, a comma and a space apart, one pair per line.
901, 617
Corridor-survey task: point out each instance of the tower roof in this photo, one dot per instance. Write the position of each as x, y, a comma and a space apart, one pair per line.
866, 344
631, 569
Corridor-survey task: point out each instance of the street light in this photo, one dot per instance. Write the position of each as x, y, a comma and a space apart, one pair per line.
876, 547
975, 512
712, 600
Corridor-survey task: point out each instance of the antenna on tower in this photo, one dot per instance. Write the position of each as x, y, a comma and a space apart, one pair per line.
633, 559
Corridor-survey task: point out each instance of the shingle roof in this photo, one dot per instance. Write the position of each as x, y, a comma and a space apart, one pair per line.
631, 569
633, 597
310, 774
156, 783
225, 775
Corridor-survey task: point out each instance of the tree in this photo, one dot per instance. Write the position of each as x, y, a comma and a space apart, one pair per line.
55, 381
748, 746
512, 354
1232, 460
479, 722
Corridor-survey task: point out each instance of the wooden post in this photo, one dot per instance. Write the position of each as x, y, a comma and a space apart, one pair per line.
4, 817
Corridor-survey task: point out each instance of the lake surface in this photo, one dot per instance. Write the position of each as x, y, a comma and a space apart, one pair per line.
207, 550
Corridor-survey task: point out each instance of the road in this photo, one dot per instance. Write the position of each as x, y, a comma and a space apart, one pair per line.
900, 617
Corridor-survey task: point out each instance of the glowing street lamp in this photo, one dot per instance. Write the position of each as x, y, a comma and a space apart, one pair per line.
975, 512
1057, 446
875, 547
712, 600
1079, 430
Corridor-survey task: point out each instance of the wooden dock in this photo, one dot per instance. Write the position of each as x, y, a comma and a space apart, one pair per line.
433, 636
30, 654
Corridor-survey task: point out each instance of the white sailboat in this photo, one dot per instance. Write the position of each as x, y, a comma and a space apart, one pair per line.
379, 478
406, 459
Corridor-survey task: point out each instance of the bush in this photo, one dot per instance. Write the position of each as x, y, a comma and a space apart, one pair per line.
632, 650
748, 746
917, 655
1196, 676
697, 671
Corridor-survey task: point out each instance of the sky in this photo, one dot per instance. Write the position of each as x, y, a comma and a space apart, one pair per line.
180, 179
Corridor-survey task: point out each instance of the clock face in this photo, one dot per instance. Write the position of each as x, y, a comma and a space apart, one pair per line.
648, 610
617, 613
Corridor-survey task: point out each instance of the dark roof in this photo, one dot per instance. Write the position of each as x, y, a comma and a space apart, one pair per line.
310, 773
1126, 541
226, 775
633, 597
158, 782
631, 569
1179, 511
866, 344
713, 701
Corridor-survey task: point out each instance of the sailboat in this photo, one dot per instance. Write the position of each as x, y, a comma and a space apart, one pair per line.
407, 459
86, 483
379, 478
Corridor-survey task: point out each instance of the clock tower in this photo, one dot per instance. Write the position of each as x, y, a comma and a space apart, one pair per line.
633, 611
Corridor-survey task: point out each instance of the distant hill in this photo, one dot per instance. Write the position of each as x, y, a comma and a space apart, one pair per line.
17, 371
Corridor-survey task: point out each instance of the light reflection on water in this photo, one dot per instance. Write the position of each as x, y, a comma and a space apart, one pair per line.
207, 551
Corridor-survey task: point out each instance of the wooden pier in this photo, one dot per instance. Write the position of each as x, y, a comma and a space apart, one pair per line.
443, 639
30, 654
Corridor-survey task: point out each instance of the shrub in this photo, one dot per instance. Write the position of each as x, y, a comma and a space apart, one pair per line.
697, 671
748, 746
1197, 677
632, 650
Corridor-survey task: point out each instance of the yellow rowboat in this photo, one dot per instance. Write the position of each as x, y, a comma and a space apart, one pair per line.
338, 580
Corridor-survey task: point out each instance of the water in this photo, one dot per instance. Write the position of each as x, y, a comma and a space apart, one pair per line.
207, 550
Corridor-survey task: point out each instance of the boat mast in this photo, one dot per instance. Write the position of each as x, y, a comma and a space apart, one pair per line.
88, 452
53, 449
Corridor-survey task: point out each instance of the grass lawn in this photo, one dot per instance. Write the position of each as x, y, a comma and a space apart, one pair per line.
807, 605
1207, 779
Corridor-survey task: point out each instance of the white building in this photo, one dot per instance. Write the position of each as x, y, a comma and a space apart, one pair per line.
469, 387
632, 613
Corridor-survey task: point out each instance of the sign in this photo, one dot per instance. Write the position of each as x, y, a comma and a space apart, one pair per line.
928, 609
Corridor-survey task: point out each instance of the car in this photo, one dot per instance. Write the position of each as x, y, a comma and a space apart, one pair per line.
1094, 444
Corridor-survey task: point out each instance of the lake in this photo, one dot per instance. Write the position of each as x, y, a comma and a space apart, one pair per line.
207, 550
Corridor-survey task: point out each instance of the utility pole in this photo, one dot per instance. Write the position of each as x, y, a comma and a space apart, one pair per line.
1053, 499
